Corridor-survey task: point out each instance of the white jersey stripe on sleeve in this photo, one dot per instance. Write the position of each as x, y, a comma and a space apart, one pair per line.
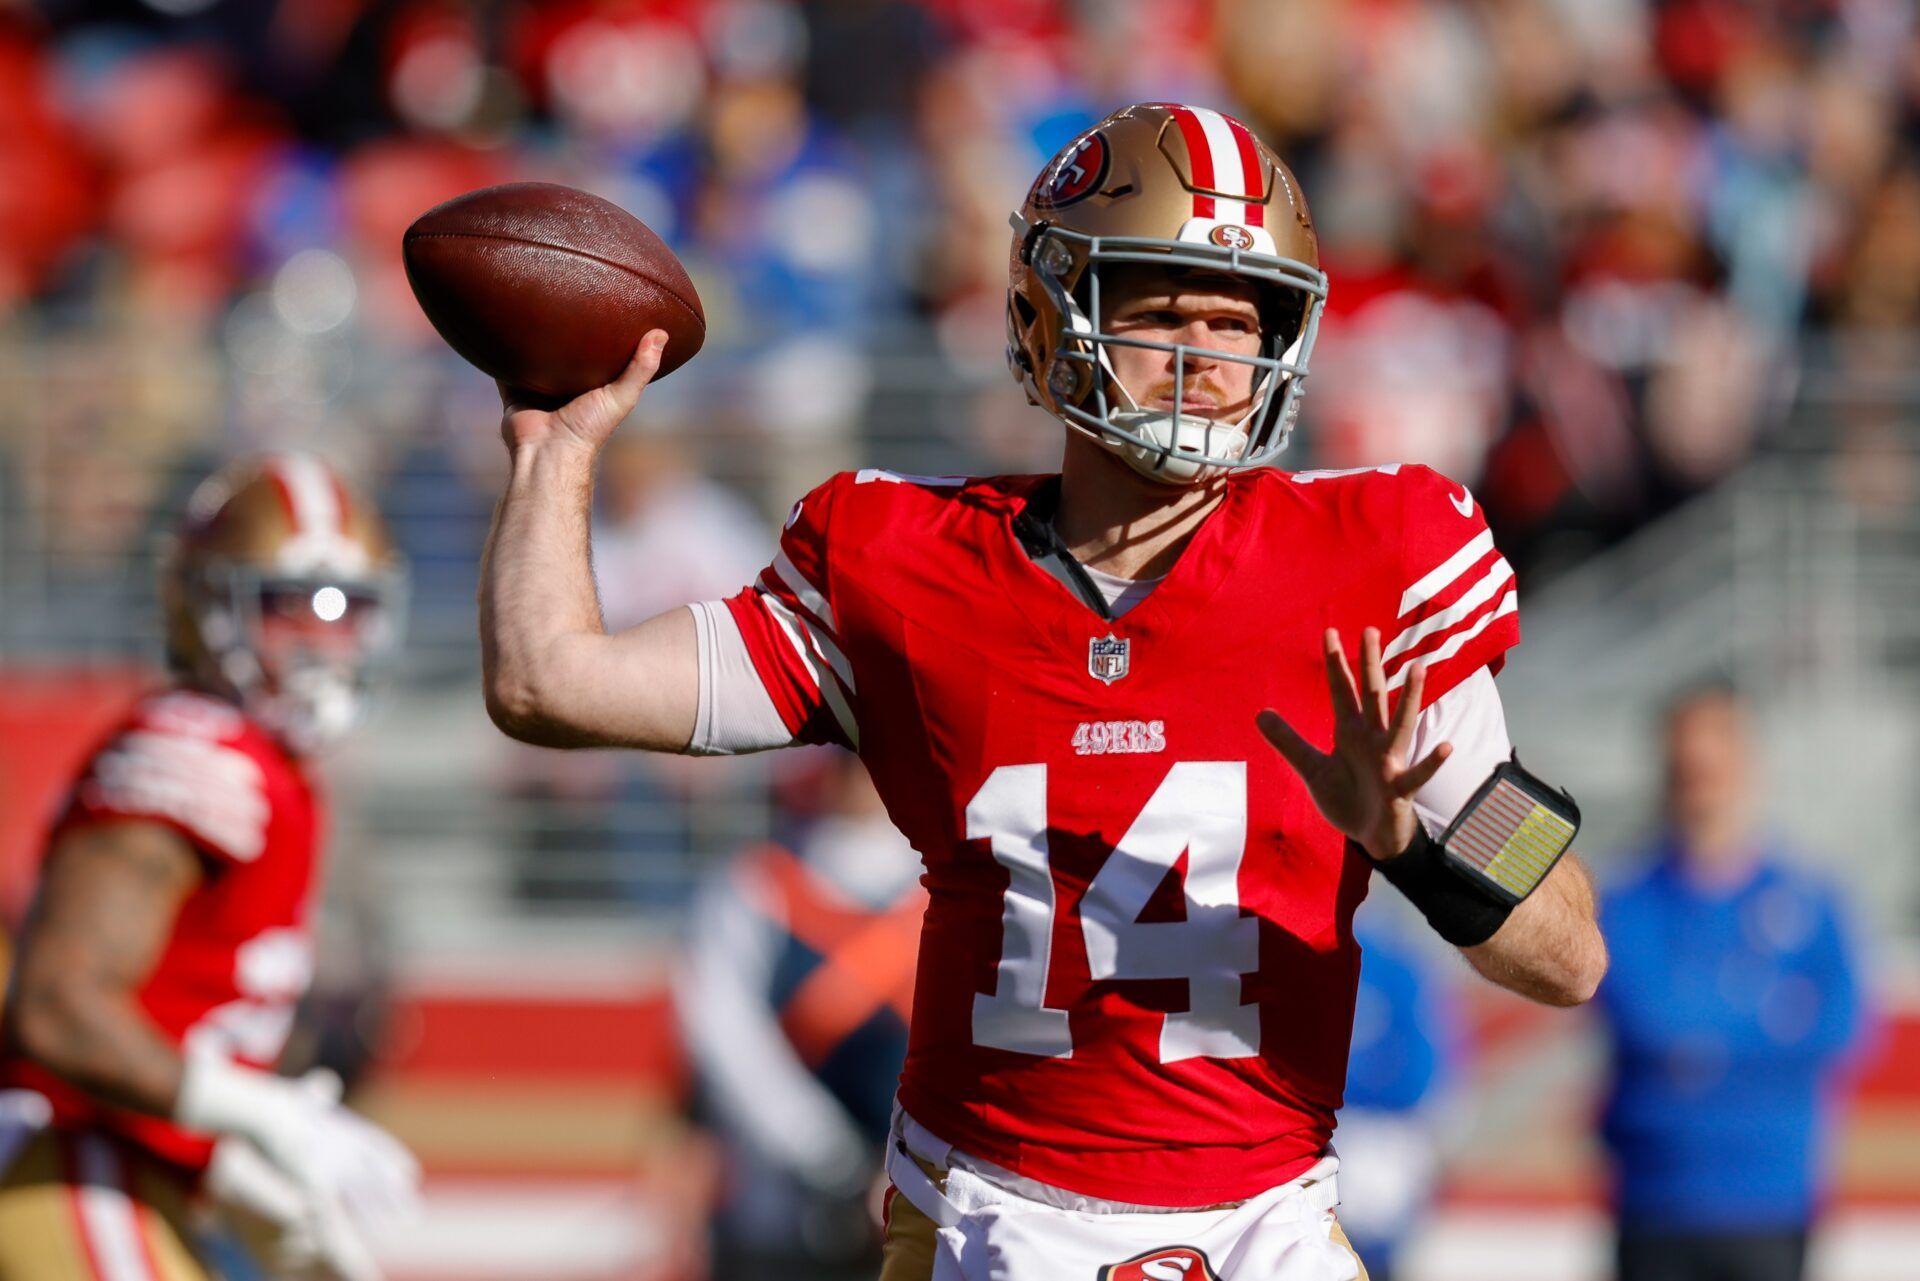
821, 643
106, 1213
215, 791
1440, 579
1458, 641
809, 596
802, 637
1476, 596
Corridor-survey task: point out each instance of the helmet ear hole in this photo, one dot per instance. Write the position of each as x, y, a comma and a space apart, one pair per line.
1282, 312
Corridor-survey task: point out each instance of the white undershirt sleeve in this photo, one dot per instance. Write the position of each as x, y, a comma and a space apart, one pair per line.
734, 713
1472, 718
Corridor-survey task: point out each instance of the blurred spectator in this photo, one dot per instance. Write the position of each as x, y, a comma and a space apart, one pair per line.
1389, 1130
794, 997
1578, 250
663, 534
1732, 1000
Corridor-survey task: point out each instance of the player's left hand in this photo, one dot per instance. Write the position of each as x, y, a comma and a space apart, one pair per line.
1364, 786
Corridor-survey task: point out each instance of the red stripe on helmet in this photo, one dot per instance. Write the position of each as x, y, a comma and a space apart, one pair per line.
1199, 158
340, 501
1251, 171
285, 492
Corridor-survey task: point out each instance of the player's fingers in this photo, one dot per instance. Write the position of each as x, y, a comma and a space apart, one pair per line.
1295, 750
1422, 772
1400, 732
641, 369
1346, 700
604, 408
1373, 683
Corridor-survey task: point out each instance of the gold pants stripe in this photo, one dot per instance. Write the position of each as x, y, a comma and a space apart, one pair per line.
81, 1207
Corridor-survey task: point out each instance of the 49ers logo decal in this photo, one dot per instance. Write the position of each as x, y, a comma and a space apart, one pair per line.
1231, 235
1171, 1263
1075, 174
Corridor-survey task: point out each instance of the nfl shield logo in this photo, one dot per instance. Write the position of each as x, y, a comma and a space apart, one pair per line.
1107, 657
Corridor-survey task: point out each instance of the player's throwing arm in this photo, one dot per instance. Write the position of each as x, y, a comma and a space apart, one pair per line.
1526, 923
553, 674
573, 306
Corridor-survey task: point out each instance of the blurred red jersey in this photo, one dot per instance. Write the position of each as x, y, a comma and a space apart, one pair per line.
1137, 971
241, 952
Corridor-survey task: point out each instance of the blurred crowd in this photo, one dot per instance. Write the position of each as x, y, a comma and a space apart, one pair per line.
1580, 249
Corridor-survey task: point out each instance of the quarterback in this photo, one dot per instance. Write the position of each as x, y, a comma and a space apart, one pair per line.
1116, 711
171, 934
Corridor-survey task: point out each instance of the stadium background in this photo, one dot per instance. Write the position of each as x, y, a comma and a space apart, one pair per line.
1645, 273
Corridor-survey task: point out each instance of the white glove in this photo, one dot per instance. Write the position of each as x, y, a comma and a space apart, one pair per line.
343, 1165
296, 1236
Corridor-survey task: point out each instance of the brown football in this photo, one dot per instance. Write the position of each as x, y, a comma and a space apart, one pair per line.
549, 289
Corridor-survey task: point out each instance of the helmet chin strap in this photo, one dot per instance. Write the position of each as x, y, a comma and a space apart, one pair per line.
1175, 442
310, 707
313, 709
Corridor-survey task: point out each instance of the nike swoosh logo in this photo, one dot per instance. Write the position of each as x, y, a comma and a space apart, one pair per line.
1462, 501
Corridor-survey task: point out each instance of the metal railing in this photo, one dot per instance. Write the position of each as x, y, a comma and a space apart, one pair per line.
1778, 578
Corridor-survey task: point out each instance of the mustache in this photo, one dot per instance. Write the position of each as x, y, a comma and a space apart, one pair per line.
1201, 391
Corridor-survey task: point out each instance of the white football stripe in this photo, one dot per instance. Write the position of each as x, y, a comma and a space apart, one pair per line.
810, 597
106, 1214
1456, 642
1440, 579
1476, 596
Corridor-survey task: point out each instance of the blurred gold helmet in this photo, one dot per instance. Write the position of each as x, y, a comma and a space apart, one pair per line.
282, 591
1184, 188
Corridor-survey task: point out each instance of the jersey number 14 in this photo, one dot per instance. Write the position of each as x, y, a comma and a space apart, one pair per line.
1200, 808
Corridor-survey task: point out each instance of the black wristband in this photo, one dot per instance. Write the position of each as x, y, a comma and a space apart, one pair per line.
1459, 912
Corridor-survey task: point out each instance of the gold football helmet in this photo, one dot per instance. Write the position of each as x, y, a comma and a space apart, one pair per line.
281, 591
1180, 187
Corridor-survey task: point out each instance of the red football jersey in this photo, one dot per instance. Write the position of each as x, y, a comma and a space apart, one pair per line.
241, 952
1137, 971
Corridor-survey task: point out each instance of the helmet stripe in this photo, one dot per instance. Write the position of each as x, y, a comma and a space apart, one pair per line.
1226, 166
1251, 172
1199, 158
312, 494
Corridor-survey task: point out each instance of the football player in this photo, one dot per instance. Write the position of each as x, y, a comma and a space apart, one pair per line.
172, 931
1115, 710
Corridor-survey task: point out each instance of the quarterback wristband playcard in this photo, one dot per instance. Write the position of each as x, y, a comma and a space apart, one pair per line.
1509, 836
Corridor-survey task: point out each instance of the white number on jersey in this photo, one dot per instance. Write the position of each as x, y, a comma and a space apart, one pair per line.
1199, 809
272, 971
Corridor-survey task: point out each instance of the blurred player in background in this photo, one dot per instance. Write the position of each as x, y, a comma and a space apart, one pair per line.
794, 998
1137, 969
172, 932
1732, 1004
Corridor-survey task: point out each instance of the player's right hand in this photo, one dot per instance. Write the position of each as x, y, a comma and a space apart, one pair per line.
588, 419
345, 1167
284, 1225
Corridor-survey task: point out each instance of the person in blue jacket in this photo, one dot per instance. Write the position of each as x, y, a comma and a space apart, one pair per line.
1405, 1032
1732, 1002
